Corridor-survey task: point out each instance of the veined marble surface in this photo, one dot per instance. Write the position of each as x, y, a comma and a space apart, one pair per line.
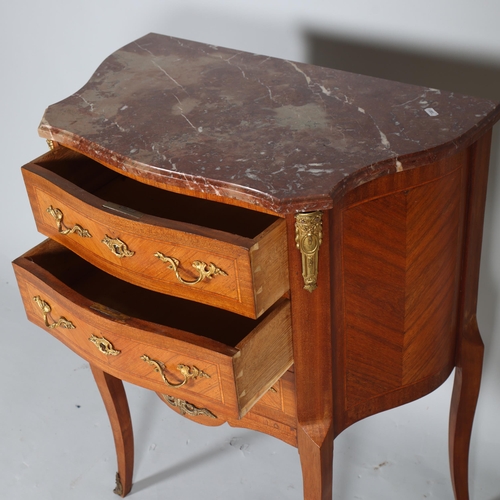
275, 133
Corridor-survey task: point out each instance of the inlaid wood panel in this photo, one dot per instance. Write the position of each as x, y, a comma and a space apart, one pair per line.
206, 155
434, 250
247, 249
401, 260
216, 342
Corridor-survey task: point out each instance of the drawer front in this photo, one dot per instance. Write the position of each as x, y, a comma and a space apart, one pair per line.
149, 357
238, 274
139, 362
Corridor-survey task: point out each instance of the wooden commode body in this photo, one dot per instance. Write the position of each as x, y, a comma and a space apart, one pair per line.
275, 245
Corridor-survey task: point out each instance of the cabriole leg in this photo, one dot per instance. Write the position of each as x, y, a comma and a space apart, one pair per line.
115, 401
463, 407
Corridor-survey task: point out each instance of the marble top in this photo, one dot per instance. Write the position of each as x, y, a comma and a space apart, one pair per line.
278, 134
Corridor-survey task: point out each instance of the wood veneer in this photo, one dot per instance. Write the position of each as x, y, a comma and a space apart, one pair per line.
249, 247
399, 173
242, 358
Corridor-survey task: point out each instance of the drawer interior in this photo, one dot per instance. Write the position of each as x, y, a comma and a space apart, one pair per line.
124, 191
136, 302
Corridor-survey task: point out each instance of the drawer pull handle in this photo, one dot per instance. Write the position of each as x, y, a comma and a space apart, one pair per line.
117, 247
187, 371
104, 345
62, 228
46, 310
205, 270
186, 408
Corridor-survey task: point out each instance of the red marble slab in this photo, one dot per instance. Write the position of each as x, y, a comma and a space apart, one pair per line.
275, 133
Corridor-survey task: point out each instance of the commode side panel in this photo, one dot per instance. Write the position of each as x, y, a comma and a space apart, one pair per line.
401, 262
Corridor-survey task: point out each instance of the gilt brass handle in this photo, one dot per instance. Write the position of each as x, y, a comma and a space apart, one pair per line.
187, 371
186, 408
62, 322
104, 345
65, 230
205, 270
117, 247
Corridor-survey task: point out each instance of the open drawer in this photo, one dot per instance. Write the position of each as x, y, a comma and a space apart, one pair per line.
209, 357
216, 254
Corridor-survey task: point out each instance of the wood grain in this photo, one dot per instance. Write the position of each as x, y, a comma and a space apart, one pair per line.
239, 374
115, 401
395, 307
269, 265
401, 262
313, 365
469, 357
264, 355
401, 255
255, 265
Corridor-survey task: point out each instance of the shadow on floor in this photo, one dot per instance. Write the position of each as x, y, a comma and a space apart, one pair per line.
191, 462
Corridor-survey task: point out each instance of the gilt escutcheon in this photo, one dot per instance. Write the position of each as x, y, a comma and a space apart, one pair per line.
308, 238
186, 408
117, 247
